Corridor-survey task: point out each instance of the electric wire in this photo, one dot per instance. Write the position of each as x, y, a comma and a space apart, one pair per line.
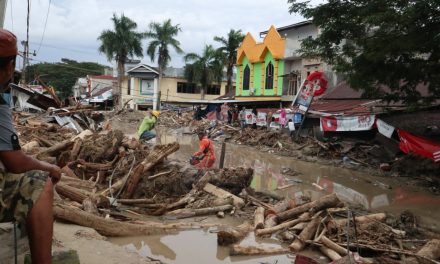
45, 25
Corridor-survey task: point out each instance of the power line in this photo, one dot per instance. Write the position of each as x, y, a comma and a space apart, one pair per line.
62, 48
45, 24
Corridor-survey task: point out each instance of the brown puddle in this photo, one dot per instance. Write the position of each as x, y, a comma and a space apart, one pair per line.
373, 193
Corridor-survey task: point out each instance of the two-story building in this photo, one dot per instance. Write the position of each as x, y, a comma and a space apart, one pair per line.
273, 70
141, 81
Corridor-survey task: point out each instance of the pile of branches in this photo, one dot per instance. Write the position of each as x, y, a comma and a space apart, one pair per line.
328, 226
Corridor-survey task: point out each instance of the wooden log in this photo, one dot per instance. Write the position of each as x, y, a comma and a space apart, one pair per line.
330, 253
266, 231
379, 217
157, 155
282, 206
109, 227
308, 232
237, 250
189, 212
76, 148
68, 172
72, 193
136, 201
56, 149
159, 174
78, 184
44, 142
232, 235
220, 193
259, 218
431, 250
28, 147
96, 166
270, 221
89, 205
82, 135
324, 202
332, 245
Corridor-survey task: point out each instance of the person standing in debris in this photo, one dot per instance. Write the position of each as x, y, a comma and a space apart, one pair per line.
145, 129
26, 184
242, 117
206, 153
254, 117
291, 126
230, 114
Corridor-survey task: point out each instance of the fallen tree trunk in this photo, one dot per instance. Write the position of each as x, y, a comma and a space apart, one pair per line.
308, 232
109, 227
76, 148
157, 155
232, 235
324, 202
379, 217
188, 212
68, 172
266, 231
259, 218
238, 250
330, 253
56, 149
332, 245
270, 221
136, 201
72, 193
282, 206
220, 193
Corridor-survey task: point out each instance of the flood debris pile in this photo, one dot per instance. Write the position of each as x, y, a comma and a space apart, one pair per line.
113, 183
340, 234
171, 119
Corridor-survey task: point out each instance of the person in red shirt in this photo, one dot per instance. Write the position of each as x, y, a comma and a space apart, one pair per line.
205, 154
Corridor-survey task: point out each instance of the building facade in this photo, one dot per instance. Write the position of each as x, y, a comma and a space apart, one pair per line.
273, 70
141, 80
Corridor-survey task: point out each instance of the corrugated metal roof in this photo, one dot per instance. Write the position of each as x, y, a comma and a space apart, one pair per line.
345, 107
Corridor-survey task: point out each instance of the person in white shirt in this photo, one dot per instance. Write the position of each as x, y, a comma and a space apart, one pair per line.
291, 126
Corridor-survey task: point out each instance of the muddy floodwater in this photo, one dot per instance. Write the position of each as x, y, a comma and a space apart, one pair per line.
385, 194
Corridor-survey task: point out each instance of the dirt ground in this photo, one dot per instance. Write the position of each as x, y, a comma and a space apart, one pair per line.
92, 248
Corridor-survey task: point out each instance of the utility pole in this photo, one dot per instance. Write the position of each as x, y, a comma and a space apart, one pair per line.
2, 12
25, 60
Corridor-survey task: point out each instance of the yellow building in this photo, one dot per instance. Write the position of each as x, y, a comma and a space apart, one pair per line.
141, 81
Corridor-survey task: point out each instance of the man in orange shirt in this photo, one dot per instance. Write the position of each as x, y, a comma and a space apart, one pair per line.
205, 154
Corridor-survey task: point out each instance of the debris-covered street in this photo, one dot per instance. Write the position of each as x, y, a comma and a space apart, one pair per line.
249, 132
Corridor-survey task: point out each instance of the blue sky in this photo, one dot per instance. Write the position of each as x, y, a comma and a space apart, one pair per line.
74, 25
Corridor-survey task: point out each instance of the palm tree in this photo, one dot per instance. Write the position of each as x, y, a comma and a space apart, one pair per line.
204, 69
162, 36
120, 44
229, 48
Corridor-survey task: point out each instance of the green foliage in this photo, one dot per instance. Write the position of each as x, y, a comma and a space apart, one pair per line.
63, 75
162, 36
123, 42
204, 69
229, 47
374, 42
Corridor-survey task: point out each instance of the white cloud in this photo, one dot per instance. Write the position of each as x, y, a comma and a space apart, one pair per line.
74, 25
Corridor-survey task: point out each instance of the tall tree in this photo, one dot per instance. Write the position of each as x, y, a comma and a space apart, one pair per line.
229, 48
374, 42
162, 36
204, 69
63, 75
120, 44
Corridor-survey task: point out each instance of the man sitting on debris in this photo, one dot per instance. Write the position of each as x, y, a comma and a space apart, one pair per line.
145, 129
206, 154
26, 192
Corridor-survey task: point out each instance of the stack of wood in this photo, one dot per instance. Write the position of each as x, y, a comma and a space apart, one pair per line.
318, 224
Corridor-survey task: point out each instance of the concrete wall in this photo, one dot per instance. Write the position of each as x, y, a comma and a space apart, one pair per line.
295, 36
168, 89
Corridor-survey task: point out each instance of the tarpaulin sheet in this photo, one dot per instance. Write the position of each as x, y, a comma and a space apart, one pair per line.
410, 143
347, 123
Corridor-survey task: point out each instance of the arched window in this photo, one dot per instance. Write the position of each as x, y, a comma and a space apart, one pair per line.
246, 77
269, 76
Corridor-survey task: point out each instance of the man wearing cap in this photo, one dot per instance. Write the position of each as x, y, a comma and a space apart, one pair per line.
145, 129
26, 184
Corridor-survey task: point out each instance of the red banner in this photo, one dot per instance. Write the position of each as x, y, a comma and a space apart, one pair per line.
421, 146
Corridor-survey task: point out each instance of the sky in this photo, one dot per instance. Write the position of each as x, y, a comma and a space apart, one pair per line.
73, 26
